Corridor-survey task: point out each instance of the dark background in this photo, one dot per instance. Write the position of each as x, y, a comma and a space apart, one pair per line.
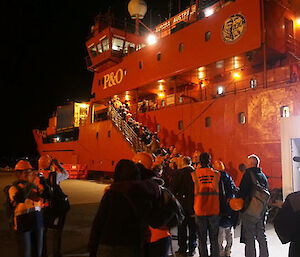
42, 57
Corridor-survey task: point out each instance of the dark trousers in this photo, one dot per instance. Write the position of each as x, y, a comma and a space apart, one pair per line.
254, 229
30, 243
208, 224
159, 248
294, 250
188, 224
56, 239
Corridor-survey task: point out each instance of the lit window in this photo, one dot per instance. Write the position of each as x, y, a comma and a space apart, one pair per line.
181, 47
285, 111
180, 99
253, 83
180, 125
93, 51
105, 44
220, 64
207, 122
117, 44
207, 36
242, 118
163, 103
99, 48
158, 128
220, 90
129, 47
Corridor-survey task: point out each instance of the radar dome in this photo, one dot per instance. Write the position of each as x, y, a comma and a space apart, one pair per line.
137, 9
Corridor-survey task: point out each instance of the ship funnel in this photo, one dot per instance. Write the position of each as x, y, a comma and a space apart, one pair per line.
137, 9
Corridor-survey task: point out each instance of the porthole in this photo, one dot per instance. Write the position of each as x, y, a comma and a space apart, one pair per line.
285, 111
207, 36
181, 47
207, 122
158, 57
242, 118
180, 125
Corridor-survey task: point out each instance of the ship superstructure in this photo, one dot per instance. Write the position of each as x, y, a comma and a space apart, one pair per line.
218, 78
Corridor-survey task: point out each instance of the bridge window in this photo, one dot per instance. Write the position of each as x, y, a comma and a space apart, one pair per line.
117, 44
99, 48
93, 50
105, 44
129, 47
285, 111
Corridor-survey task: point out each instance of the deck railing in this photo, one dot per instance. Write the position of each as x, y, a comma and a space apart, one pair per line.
125, 129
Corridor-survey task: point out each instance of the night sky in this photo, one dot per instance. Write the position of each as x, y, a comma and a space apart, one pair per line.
42, 56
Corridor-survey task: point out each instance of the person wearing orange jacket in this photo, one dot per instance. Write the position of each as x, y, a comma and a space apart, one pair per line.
25, 197
206, 205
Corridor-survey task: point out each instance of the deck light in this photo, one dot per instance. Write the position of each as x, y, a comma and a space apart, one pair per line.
151, 39
236, 75
161, 95
161, 87
208, 12
220, 90
298, 22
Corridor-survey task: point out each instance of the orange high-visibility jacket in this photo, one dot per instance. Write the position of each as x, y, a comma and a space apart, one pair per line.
206, 182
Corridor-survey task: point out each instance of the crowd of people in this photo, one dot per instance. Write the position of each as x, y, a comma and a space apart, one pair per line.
143, 133
204, 191
132, 218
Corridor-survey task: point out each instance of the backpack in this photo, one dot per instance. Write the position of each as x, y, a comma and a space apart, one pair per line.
168, 212
259, 199
8, 205
59, 203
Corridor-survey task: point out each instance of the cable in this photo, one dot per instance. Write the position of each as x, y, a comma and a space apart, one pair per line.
199, 115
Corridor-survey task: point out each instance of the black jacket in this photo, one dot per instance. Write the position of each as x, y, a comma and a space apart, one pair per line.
182, 186
120, 218
287, 225
247, 185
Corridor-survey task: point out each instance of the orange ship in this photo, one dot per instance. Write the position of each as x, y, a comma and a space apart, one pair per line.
217, 77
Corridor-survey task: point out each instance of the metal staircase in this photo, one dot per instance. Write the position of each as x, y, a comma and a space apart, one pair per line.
131, 137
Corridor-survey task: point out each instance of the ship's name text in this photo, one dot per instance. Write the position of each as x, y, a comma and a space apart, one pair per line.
113, 79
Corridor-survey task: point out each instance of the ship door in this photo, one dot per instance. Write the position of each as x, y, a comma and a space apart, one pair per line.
295, 152
290, 148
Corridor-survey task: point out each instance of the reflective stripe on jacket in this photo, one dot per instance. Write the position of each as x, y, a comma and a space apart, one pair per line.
206, 182
158, 233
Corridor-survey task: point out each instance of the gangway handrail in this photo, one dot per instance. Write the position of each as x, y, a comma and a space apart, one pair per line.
126, 130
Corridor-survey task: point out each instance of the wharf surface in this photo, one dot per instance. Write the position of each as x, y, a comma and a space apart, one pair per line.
84, 198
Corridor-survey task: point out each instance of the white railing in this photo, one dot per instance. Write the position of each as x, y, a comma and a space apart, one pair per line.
126, 130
